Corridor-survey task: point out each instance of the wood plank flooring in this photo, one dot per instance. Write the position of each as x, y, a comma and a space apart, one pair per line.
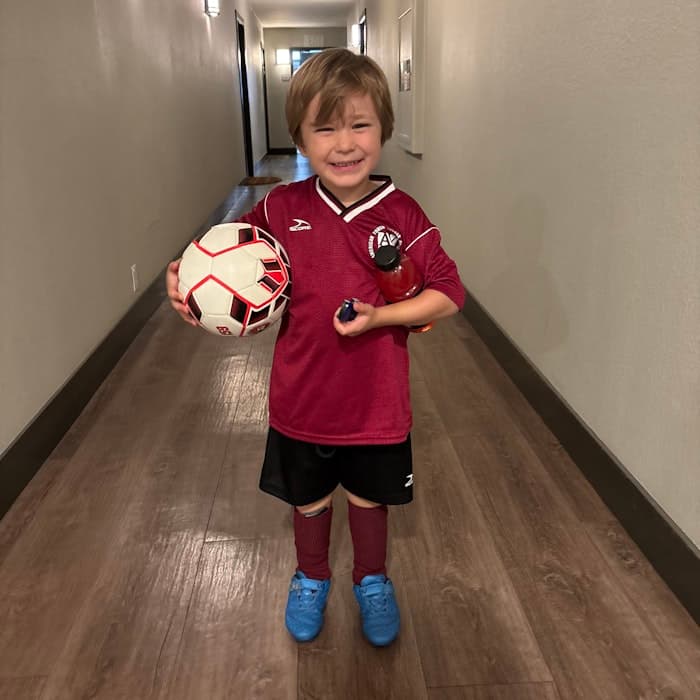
143, 562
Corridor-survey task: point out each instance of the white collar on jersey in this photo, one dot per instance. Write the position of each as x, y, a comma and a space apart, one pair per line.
385, 187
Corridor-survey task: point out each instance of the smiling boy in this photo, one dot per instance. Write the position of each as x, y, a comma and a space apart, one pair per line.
339, 401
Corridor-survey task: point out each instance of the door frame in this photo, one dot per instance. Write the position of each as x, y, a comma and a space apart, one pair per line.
245, 98
264, 88
363, 31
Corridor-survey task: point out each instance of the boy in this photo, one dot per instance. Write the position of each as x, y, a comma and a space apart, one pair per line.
339, 392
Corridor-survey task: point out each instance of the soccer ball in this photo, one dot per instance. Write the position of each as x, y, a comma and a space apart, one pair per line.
236, 280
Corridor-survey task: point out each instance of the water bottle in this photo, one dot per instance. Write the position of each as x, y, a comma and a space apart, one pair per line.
398, 278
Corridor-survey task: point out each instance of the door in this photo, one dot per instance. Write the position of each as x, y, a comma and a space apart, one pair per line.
245, 101
264, 85
363, 32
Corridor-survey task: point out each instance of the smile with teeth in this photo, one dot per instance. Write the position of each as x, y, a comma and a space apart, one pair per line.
346, 163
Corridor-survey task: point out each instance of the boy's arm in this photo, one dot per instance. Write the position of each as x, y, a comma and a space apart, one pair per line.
442, 296
429, 305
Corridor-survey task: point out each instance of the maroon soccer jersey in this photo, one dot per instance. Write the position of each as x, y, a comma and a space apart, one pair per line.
326, 388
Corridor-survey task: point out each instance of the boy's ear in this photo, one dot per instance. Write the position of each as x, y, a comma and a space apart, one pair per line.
301, 148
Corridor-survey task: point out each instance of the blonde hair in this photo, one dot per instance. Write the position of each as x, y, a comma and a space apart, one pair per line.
334, 74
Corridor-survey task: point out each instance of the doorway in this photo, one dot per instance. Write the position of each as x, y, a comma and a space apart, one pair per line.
245, 99
363, 32
264, 87
299, 55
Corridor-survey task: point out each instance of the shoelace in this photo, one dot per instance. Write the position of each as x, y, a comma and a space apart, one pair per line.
376, 597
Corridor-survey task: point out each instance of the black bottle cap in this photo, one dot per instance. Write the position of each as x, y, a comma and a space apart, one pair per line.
387, 257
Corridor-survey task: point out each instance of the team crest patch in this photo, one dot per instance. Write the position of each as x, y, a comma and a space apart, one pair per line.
383, 235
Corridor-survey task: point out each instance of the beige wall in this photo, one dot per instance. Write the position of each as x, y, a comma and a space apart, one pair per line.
561, 162
276, 86
120, 131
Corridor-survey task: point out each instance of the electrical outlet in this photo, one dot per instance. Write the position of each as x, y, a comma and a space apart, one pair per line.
134, 278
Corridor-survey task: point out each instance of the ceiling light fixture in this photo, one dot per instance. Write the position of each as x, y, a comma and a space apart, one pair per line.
212, 8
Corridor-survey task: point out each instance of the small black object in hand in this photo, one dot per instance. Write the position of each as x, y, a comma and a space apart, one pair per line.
347, 312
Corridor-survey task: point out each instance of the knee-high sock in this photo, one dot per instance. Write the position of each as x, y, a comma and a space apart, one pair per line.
312, 536
368, 527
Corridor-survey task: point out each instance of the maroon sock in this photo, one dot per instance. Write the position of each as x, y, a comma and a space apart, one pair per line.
368, 527
312, 536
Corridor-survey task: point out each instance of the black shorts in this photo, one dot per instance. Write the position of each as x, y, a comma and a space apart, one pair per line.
302, 472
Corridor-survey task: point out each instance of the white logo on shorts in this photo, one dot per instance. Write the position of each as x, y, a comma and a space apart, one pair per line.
409, 480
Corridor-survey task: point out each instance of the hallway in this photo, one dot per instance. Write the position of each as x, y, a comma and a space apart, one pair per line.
143, 562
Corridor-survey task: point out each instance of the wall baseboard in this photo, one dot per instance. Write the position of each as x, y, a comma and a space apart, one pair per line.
281, 151
23, 458
658, 538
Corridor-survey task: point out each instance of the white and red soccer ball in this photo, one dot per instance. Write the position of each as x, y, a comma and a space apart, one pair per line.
236, 280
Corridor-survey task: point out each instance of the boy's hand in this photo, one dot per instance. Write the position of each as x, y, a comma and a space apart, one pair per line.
176, 299
364, 321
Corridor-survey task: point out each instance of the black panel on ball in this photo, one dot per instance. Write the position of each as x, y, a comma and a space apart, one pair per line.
245, 235
238, 309
272, 284
256, 316
194, 307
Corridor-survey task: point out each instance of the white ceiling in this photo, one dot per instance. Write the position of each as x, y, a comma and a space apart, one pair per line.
308, 13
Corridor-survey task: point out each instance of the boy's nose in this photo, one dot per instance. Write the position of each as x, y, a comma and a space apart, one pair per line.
345, 141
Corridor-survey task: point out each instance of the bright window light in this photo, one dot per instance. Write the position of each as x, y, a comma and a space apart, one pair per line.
282, 57
355, 35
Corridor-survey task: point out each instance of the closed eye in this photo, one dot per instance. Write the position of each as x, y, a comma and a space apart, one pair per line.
361, 125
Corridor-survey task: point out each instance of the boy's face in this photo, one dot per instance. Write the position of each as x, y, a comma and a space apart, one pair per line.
344, 151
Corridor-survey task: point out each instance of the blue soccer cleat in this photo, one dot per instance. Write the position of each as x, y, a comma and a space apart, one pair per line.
305, 606
378, 609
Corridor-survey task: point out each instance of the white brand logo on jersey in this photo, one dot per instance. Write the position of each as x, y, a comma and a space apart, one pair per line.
383, 235
300, 225
409, 480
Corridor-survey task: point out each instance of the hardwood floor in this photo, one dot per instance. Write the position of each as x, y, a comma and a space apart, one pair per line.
143, 562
